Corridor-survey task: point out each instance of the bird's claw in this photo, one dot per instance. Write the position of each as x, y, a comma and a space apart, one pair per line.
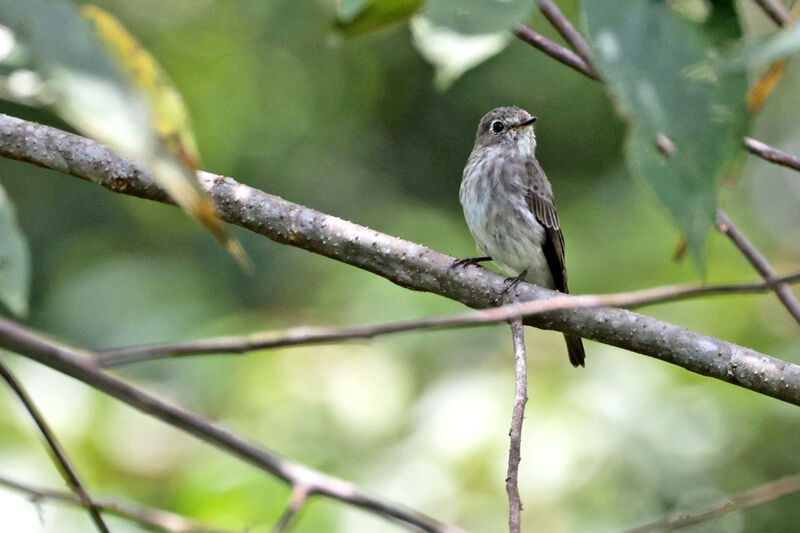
468, 261
511, 283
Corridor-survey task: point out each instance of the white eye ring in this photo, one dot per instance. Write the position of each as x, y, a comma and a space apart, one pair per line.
498, 127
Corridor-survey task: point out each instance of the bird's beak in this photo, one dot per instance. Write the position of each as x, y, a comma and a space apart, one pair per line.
527, 122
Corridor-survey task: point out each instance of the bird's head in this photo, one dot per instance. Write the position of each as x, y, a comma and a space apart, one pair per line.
507, 128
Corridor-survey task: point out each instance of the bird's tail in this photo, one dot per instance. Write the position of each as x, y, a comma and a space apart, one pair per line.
577, 355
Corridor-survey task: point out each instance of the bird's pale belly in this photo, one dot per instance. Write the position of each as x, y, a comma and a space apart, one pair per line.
507, 231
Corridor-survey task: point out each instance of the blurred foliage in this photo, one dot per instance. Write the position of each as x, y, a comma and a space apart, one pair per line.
354, 127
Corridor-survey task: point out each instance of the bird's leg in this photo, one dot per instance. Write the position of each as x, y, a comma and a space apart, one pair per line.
510, 283
469, 261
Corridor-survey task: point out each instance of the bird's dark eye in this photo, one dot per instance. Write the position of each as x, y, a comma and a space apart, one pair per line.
497, 127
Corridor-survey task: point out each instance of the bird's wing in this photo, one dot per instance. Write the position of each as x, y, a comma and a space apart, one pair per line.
541, 204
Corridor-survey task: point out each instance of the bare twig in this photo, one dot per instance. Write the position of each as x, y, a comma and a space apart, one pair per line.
559, 53
150, 517
297, 499
756, 496
515, 433
572, 36
317, 335
773, 155
80, 365
760, 263
776, 11
58, 454
402, 262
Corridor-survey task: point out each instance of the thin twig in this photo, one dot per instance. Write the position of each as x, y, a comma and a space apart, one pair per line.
572, 36
402, 262
297, 499
150, 517
558, 52
751, 498
317, 335
515, 433
773, 155
58, 454
760, 263
81, 366
776, 11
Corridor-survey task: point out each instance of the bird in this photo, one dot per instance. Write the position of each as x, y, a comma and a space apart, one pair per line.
510, 209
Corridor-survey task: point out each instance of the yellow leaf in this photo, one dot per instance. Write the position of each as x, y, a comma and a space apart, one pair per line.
170, 117
761, 90
175, 158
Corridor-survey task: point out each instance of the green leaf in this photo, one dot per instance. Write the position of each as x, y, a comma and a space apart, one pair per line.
782, 44
457, 35
92, 93
653, 61
357, 17
15, 261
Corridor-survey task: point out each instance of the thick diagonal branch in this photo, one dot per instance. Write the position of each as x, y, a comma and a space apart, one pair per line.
407, 264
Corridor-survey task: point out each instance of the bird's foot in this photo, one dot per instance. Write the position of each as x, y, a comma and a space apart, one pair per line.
469, 261
511, 283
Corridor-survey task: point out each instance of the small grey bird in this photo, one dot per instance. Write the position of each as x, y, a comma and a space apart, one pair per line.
509, 208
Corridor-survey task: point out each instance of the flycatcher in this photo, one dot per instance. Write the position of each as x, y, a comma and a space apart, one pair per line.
509, 208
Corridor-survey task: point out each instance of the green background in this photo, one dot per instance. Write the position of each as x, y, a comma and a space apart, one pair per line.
354, 128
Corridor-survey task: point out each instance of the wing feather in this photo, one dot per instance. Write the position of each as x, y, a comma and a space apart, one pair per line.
541, 204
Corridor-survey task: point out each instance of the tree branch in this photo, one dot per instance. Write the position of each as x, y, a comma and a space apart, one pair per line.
756, 496
773, 155
58, 454
316, 335
515, 433
150, 517
80, 365
557, 52
407, 264
776, 11
572, 36
760, 263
